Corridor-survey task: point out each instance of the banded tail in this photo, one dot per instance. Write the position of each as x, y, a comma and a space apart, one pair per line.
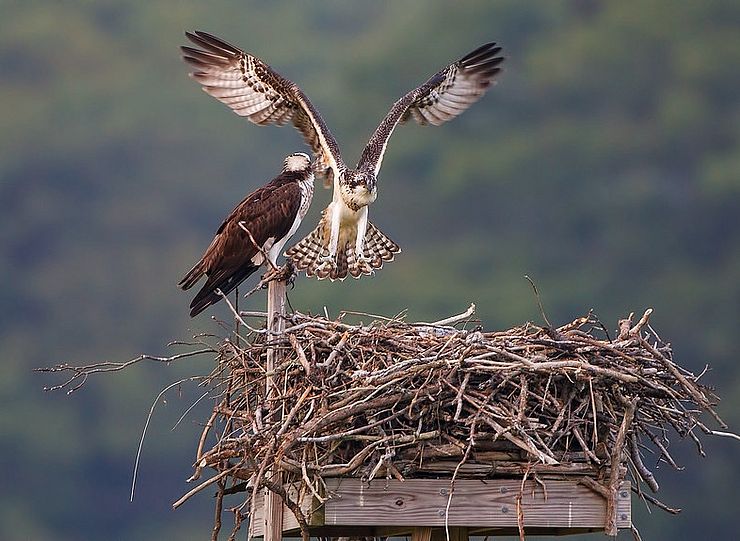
311, 254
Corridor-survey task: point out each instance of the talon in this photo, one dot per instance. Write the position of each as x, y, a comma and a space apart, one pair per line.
286, 272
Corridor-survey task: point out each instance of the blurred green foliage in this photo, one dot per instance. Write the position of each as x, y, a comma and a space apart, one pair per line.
606, 165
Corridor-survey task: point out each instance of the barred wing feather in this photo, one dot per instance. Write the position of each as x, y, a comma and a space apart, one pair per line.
447, 94
252, 89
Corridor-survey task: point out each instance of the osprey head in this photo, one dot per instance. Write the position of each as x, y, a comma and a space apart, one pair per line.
298, 161
358, 188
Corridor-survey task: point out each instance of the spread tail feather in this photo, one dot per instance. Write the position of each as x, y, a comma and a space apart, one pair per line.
306, 255
311, 255
378, 248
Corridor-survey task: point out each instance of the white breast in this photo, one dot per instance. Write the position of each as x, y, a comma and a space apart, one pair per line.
306, 196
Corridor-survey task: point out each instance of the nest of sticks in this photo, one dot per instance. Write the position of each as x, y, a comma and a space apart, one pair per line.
397, 400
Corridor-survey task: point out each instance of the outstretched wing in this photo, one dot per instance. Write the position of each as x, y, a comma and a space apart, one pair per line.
254, 90
444, 96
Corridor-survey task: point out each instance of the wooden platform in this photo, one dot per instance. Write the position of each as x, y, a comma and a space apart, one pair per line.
481, 507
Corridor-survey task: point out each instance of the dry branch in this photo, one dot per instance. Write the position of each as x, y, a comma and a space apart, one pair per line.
408, 400
402, 400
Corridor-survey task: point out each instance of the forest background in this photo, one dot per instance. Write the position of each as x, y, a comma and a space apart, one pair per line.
605, 165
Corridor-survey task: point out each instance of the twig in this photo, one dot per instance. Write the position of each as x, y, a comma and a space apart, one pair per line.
635, 331
723, 434
217, 511
645, 474
189, 409
452, 319
691, 389
657, 503
146, 426
539, 303
259, 248
87, 370
203, 485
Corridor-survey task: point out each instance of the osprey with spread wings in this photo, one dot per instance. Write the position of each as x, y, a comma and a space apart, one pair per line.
344, 242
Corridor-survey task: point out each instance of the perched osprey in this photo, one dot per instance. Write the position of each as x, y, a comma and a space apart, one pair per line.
344, 241
261, 224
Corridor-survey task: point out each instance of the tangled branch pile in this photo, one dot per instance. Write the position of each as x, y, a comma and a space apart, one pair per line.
399, 399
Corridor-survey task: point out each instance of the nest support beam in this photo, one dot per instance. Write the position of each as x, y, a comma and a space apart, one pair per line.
427, 508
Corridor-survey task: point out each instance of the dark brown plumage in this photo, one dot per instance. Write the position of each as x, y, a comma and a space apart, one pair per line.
271, 215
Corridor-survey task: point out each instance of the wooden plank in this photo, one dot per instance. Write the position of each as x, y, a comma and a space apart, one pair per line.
534, 531
273, 516
501, 468
475, 503
257, 518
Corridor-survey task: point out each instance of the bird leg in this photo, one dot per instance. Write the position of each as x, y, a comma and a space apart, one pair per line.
286, 273
326, 261
362, 262
330, 260
334, 236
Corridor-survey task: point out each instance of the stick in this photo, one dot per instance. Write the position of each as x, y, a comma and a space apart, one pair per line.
453, 319
690, 388
203, 485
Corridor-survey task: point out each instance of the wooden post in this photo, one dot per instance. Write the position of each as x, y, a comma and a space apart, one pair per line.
273, 510
421, 533
424, 533
456, 534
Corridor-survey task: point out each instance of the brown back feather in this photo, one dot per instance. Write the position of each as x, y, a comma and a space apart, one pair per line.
268, 212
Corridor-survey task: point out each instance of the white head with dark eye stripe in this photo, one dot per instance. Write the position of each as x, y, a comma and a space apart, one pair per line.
298, 161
